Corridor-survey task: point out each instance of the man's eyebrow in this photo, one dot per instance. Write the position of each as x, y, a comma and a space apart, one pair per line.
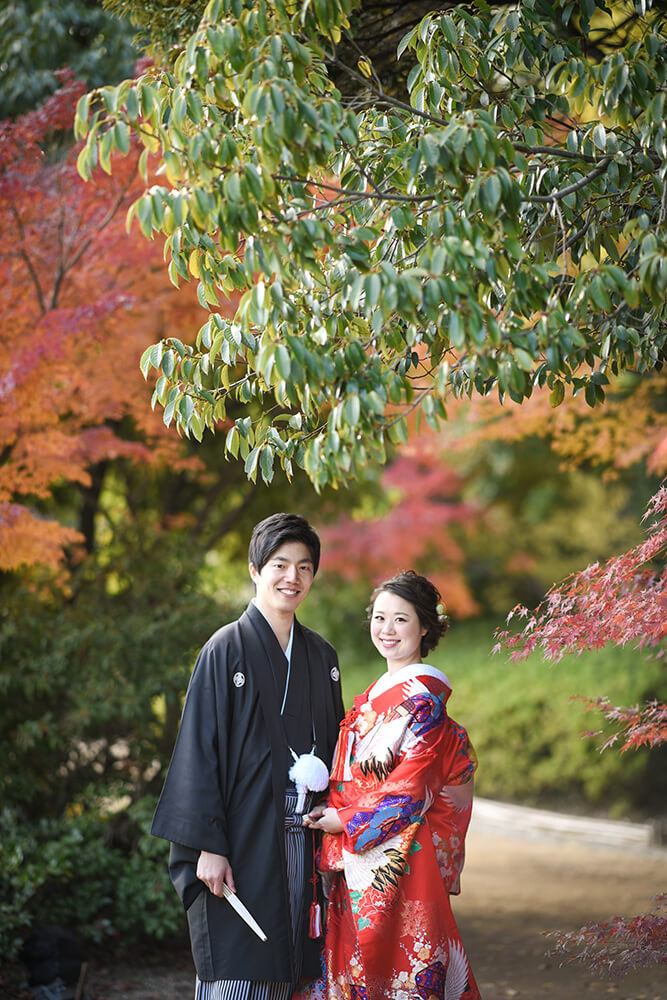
285, 559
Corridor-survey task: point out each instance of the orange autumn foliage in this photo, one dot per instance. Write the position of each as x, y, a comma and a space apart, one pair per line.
630, 427
80, 301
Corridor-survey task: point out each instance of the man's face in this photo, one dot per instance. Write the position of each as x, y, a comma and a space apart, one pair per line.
284, 580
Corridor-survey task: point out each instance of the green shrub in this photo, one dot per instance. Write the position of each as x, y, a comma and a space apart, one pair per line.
91, 690
145, 904
80, 873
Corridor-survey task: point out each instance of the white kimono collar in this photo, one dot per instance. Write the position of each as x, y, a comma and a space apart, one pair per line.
388, 680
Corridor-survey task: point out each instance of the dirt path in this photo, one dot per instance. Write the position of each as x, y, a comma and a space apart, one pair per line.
513, 891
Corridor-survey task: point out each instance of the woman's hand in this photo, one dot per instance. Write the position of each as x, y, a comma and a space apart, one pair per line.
323, 818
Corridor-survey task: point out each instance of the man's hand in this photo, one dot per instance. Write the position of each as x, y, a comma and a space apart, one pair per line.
317, 812
323, 818
214, 870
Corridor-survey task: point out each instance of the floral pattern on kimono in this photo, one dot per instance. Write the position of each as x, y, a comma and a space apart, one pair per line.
402, 785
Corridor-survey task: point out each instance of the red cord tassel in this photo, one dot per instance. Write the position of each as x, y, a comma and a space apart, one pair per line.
315, 913
315, 921
343, 748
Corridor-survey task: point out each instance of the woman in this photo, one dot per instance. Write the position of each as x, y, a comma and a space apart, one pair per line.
399, 806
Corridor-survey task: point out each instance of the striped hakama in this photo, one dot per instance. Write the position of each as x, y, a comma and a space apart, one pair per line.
245, 989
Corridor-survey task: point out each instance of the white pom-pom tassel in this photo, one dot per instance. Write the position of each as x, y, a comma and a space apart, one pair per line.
309, 774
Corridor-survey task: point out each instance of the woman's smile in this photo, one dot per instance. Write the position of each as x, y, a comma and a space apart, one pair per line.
396, 630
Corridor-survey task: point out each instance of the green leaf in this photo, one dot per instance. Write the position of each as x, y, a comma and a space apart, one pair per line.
372, 288
167, 363
251, 461
155, 354
467, 61
168, 414
104, 150
81, 117
232, 442
557, 394
600, 136
404, 42
523, 359
449, 30
83, 163
508, 117
282, 361
266, 464
490, 192
429, 149
398, 432
145, 363
352, 410
132, 104
455, 330
186, 407
121, 135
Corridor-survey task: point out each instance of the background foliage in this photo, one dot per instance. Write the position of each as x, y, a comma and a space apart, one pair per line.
498, 228
38, 37
85, 872
123, 545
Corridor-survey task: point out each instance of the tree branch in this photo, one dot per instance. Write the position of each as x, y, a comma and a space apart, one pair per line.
103, 224
543, 199
553, 151
25, 257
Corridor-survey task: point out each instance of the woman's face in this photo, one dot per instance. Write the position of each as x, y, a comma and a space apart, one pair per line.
396, 630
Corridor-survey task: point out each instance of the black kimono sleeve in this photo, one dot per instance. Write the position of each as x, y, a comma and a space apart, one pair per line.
191, 810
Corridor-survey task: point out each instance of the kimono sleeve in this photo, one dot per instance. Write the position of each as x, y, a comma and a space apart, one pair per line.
191, 807
463, 764
450, 813
403, 793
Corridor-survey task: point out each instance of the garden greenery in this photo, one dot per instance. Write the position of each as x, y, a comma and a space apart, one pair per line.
498, 227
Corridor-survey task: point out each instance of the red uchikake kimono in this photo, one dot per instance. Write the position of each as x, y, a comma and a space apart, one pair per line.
402, 784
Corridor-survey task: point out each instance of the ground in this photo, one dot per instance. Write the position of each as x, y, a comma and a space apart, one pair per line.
514, 891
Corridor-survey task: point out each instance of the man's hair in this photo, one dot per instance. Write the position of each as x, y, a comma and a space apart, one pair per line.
276, 530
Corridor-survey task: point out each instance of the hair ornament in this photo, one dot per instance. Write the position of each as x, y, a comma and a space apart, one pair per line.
441, 612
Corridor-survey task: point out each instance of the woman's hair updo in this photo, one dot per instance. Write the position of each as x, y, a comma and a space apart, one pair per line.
425, 599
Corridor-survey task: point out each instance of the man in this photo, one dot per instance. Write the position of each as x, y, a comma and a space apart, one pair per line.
264, 690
